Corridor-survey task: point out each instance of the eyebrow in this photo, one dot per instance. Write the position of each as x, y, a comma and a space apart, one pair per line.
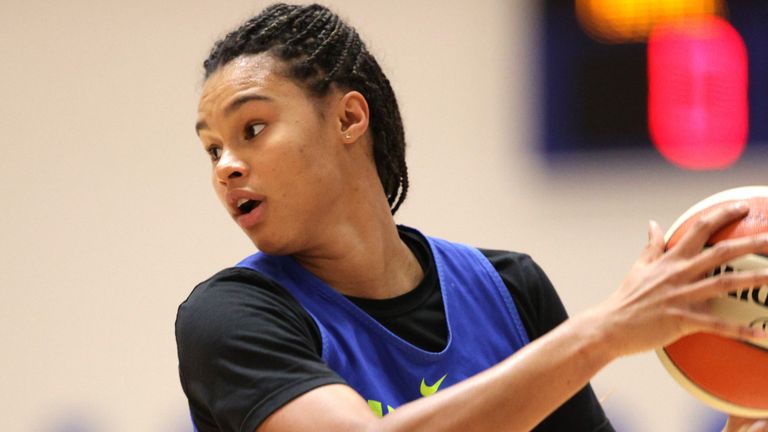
234, 105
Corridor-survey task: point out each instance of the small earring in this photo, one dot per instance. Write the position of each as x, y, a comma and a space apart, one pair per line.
346, 136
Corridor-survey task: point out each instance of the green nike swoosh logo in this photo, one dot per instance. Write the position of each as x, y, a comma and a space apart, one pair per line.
430, 390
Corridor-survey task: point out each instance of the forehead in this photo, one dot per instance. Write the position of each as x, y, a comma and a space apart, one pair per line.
251, 73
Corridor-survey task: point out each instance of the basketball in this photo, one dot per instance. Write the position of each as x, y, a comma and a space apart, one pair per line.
727, 374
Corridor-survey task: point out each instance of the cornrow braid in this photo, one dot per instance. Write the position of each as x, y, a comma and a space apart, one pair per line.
319, 49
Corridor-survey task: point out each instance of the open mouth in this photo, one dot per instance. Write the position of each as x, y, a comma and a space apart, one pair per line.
245, 206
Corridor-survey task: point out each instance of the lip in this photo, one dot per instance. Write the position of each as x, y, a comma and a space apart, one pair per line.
251, 218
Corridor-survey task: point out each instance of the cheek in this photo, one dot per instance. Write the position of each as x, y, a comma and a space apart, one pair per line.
218, 188
306, 165
310, 163
308, 184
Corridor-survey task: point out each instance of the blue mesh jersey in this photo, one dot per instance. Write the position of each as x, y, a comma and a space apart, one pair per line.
248, 347
484, 327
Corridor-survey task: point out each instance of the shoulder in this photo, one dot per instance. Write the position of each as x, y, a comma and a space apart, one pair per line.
538, 303
246, 347
233, 299
506, 259
517, 268
234, 287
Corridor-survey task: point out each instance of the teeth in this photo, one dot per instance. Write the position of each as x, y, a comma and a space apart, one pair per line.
246, 205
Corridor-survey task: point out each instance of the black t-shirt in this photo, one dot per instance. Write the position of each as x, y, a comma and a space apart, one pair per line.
246, 347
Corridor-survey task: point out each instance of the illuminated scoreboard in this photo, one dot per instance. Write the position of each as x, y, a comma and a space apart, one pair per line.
684, 80
622, 21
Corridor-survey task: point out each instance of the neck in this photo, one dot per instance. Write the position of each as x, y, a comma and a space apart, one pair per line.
358, 251
366, 259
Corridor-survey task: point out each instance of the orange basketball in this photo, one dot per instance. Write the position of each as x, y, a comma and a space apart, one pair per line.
727, 374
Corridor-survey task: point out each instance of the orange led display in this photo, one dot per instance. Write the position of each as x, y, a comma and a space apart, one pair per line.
619, 21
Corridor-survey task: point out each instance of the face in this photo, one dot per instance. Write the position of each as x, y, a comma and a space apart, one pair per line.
275, 153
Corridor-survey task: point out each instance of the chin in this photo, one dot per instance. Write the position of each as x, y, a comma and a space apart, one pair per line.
270, 245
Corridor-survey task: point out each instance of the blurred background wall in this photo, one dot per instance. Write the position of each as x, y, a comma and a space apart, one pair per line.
109, 220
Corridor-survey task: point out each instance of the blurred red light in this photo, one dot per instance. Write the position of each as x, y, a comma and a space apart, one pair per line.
697, 92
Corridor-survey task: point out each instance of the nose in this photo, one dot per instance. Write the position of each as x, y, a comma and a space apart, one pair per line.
230, 167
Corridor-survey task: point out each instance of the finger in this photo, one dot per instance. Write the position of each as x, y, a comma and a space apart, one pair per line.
736, 424
656, 238
724, 283
712, 324
741, 424
727, 250
655, 246
703, 228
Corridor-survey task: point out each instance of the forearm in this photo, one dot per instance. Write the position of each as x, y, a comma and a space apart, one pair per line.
518, 393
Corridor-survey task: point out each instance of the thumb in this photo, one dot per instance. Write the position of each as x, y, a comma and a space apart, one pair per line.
656, 245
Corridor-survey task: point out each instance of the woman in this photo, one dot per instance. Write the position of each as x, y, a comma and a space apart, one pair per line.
346, 321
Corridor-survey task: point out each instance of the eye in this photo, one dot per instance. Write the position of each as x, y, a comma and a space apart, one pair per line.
253, 129
214, 152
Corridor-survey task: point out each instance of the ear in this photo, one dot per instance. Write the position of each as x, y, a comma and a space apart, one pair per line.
353, 116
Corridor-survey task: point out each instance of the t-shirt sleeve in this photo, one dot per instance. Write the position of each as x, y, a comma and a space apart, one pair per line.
246, 348
541, 310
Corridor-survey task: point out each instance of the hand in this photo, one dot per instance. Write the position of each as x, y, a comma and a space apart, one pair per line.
740, 424
665, 295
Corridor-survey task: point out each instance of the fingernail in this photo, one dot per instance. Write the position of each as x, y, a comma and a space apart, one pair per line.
650, 229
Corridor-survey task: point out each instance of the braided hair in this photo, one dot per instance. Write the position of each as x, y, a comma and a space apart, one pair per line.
318, 50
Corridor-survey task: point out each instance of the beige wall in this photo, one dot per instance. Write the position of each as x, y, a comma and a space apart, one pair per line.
109, 220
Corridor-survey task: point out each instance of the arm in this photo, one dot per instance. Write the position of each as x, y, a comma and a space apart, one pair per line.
663, 298
556, 365
541, 310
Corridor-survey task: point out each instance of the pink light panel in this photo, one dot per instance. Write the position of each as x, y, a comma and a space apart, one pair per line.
697, 89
